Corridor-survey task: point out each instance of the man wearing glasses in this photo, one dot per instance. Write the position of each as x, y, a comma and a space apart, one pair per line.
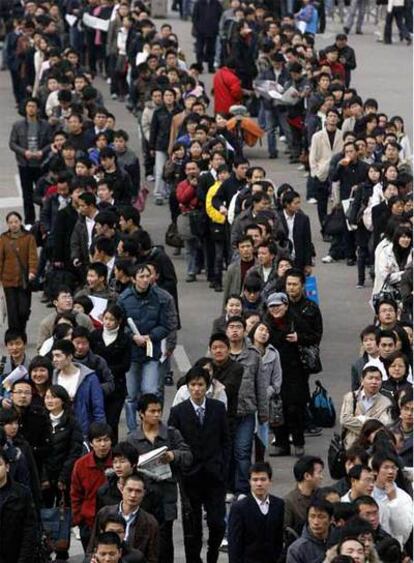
34, 425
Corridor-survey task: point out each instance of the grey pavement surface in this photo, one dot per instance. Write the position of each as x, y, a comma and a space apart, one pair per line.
384, 72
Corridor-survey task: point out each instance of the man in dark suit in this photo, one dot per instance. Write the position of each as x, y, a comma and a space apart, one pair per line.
255, 531
296, 226
203, 425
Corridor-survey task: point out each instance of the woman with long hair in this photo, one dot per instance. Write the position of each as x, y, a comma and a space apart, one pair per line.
40, 373
18, 265
392, 259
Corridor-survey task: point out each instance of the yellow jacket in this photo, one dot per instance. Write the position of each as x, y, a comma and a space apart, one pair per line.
214, 215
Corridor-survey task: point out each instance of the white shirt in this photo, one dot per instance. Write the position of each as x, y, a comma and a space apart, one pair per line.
196, 407
266, 273
69, 382
129, 519
262, 504
290, 220
366, 401
110, 265
90, 223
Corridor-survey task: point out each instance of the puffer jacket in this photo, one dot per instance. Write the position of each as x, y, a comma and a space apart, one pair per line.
253, 388
213, 214
152, 315
10, 269
88, 403
160, 128
65, 449
227, 89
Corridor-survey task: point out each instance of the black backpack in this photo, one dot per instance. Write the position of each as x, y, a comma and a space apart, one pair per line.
322, 407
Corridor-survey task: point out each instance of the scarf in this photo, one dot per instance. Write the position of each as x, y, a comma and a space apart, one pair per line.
109, 336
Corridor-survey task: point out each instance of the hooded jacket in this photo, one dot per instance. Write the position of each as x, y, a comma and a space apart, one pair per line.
88, 403
100, 367
306, 549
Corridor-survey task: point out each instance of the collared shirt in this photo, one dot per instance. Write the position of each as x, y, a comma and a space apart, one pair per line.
196, 407
110, 265
129, 519
90, 223
366, 401
347, 497
262, 504
290, 221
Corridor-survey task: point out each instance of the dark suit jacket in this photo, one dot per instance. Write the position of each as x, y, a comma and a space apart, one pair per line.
253, 537
144, 533
302, 238
209, 443
380, 217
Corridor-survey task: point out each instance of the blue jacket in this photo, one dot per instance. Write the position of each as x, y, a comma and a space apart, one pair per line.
151, 312
88, 403
306, 549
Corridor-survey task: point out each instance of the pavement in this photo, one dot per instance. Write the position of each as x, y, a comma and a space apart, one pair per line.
383, 72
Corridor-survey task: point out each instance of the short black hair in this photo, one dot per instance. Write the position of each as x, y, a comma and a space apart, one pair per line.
126, 450
99, 268
113, 519
98, 430
219, 336
64, 346
81, 332
146, 400
322, 506
14, 334
364, 499
306, 464
261, 467
343, 511
108, 538
356, 471
197, 373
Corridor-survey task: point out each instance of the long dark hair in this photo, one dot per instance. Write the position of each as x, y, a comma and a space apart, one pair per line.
60, 392
401, 254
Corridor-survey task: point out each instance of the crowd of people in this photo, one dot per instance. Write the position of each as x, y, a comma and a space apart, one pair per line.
114, 319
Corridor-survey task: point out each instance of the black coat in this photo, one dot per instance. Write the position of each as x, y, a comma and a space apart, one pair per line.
64, 225
209, 443
66, 448
230, 375
206, 17
302, 238
17, 524
380, 216
35, 427
117, 354
160, 128
253, 537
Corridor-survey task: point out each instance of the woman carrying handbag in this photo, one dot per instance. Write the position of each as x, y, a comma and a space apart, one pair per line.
18, 265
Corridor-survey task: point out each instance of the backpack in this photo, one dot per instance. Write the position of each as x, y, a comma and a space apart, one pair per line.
322, 407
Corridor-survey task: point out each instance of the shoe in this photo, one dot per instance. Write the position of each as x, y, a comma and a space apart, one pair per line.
211, 69
359, 32
313, 431
212, 284
328, 259
282, 139
300, 167
168, 379
350, 262
327, 238
279, 452
346, 30
177, 252
230, 497
114, 96
274, 155
191, 278
150, 178
312, 200
360, 286
299, 451
218, 288
44, 299
224, 546
159, 201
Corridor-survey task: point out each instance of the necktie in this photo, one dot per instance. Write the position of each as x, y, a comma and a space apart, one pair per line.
200, 415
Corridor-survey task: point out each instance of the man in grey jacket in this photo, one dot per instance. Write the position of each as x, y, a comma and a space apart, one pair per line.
252, 399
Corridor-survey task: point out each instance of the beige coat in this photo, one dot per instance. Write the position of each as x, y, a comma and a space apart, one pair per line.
321, 153
353, 422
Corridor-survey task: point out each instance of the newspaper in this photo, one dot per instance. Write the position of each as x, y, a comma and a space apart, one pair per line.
99, 306
95, 23
150, 464
16, 375
271, 90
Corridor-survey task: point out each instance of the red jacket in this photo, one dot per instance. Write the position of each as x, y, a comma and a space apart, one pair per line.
227, 89
186, 196
86, 480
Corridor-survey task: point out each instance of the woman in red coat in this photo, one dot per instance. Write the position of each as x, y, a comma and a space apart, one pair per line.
227, 87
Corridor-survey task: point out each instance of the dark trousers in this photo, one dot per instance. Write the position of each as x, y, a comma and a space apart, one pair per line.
294, 415
85, 535
197, 492
149, 160
113, 408
219, 248
205, 50
321, 190
398, 14
296, 141
166, 543
363, 260
174, 207
18, 302
29, 175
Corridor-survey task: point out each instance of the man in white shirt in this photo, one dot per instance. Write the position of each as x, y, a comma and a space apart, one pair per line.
362, 483
396, 506
255, 530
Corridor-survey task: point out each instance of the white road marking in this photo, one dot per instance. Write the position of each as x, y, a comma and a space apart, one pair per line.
181, 359
18, 185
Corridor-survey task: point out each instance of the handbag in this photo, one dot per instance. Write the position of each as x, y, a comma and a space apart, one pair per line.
334, 223
56, 524
387, 291
198, 223
172, 238
336, 450
322, 407
276, 417
310, 358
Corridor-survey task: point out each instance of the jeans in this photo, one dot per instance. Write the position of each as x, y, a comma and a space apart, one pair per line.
398, 14
359, 6
272, 121
160, 189
243, 445
191, 250
141, 378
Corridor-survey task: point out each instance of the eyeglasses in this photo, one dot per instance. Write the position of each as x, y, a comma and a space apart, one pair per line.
27, 393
